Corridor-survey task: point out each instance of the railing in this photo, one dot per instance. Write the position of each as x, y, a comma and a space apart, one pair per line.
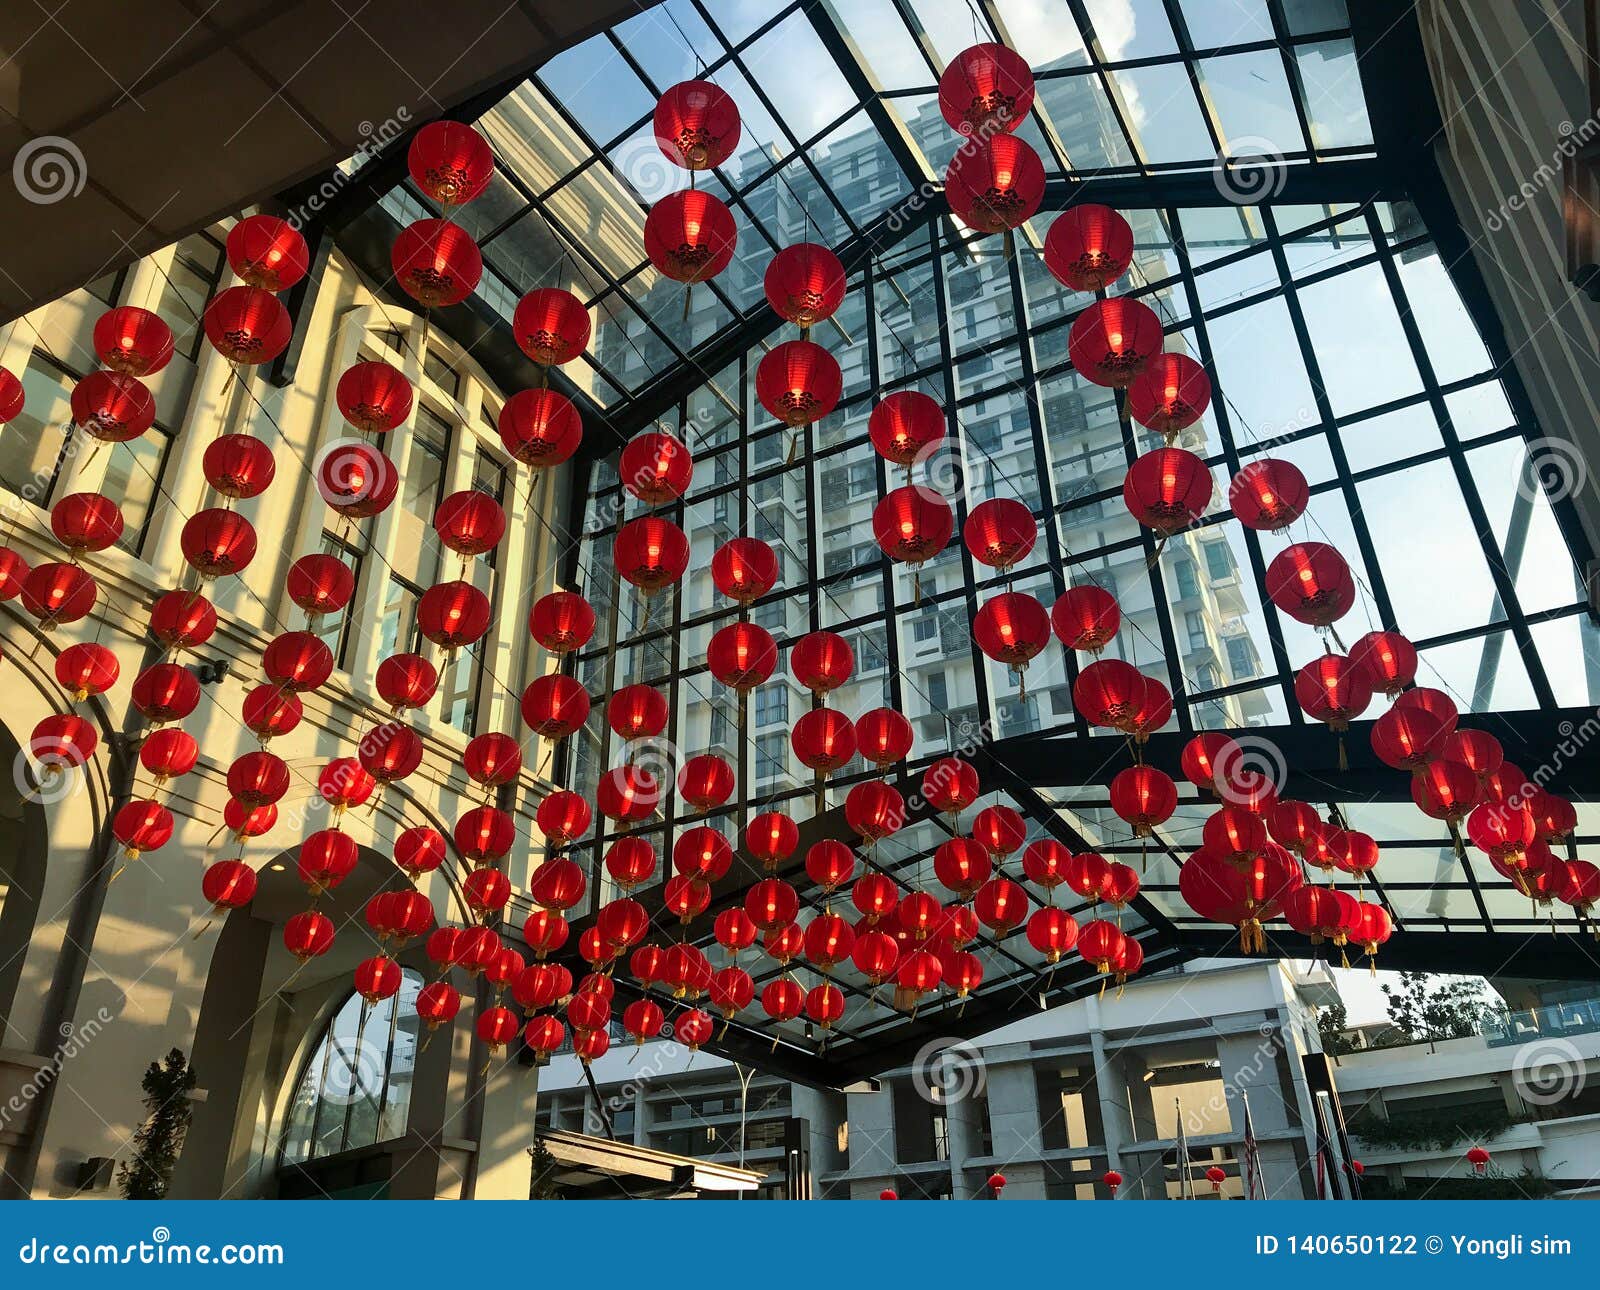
1568, 1017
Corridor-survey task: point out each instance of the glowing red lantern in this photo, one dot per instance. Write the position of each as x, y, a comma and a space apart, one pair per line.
950, 785
828, 941
874, 810
986, 89
557, 884
628, 794
912, 524
1389, 660
555, 705
690, 236
994, 185
111, 407
551, 326
655, 467
62, 742
1311, 582
469, 522
742, 655
702, 853
1053, 932
1332, 689
705, 781
733, 930
344, 783
905, 426
450, 162
875, 956
1012, 628
1167, 489
771, 838
453, 614
630, 861
822, 661
390, 752
962, 866
1113, 341
1478, 1158
320, 584
804, 284
165, 692
1086, 617
643, 1019
1268, 494
373, 396
87, 669
637, 712
13, 570
57, 593
823, 739
182, 619
493, 760
884, 736
142, 826
246, 821
327, 858
798, 382
406, 681
1109, 693
1099, 942
1000, 532
1045, 862
247, 325
771, 903
436, 263
1001, 905
696, 124
419, 850
545, 931
1144, 797
308, 935
218, 542
228, 884
170, 752
561, 622
732, 990
267, 252
1170, 395
1088, 247
355, 480
1407, 738
297, 661
540, 428
132, 341
650, 552
744, 569
1087, 873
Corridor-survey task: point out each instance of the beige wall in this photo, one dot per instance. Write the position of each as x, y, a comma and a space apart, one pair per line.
155, 951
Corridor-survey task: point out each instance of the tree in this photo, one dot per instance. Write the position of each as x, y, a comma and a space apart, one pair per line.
160, 1138
1332, 1022
1425, 1007
545, 1167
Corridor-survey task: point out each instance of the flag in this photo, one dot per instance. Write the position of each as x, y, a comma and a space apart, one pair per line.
1253, 1189
1183, 1154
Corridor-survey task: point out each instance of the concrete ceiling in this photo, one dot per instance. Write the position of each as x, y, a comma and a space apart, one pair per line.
125, 126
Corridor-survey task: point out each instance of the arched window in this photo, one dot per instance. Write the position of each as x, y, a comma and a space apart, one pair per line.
355, 1089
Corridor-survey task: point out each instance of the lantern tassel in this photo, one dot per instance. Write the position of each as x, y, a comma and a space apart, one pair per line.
1008, 245
916, 586
1155, 556
203, 930
687, 290
794, 449
1455, 839
1334, 632
1344, 757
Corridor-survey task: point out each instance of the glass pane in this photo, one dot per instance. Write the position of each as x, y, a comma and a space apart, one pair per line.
1162, 113
1330, 84
1360, 345
31, 443
1254, 106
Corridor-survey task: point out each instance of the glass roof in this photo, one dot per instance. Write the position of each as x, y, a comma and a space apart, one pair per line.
1334, 333
840, 122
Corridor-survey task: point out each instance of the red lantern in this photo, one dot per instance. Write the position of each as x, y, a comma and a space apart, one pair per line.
742, 655
884, 736
13, 570
557, 884
919, 915
494, 760
690, 236
327, 858
1001, 905
356, 480
705, 781
1434, 702
628, 794
484, 834
1233, 833
950, 785
406, 681
1170, 395
693, 1028
798, 382
297, 661
919, 973
783, 999
696, 125
308, 935
1311, 582
268, 712
702, 853
912, 524
247, 325
228, 884
373, 396
555, 706
822, 661
1407, 739
621, 922
127, 339
1144, 797
217, 542
469, 522
643, 1019
436, 263
731, 990
631, 862
561, 622
1503, 832
637, 712
655, 467
1088, 247
344, 782
1294, 825
1045, 862
12, 396
744, 569
267, 252
905, 426
62, 741
1113, 341
390, 752
1167, 489
496, 1028
540, 428
169, 752
650, 552
1053, 932
182, 619
551, 326
1000, 532
58, 593
450, 162
962, 866
830, 863
872, 809
540, 985
111, 407
825, 1004
321, 584
87, 669
1109, 693
246, 821
1000, 830
734, 930
453, 615
804, 284
875, 956
1087, 874
1086, 617
545, 931
1388, 659
824, 740
438, 1002
419, 850
142, 826
1121, 885
1478, 1158
771, 838
771, 903
1268, 494
1333, 690
828, 941
994, 185
165, 692
986, 89
1579, 885
1099, 942
1012, 629
1215, 1175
